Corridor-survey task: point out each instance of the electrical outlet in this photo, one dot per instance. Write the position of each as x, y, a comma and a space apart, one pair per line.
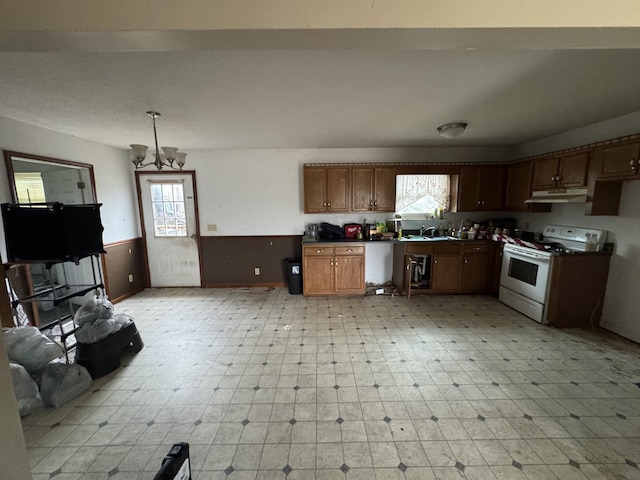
131, 278
212, 227
256, 271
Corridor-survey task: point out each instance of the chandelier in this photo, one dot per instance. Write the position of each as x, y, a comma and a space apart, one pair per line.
169, 156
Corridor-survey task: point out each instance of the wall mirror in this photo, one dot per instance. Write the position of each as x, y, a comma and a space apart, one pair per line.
35, 179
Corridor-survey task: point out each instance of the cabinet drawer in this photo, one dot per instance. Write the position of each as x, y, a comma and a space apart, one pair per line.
350, 250
450, 248
317, 250
419, 249
474, 248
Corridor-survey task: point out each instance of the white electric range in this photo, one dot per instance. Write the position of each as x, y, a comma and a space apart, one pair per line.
527, 267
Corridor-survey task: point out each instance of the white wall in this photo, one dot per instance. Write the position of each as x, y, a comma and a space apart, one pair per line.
621, 302
259, 192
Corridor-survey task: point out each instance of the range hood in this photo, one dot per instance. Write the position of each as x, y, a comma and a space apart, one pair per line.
570, 195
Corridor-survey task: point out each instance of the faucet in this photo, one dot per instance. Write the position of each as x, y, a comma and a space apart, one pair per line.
424, 230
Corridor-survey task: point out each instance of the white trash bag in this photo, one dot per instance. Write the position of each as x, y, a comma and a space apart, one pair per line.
30, 348
97, 330
62, 383
92, 310
26, 390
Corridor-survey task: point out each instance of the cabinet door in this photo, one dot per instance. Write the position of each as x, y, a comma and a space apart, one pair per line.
317, 275
468, 188
545, 171
445, 272
475, 272
315, 186
338, 189
518, 186
491, 188
349, 274
573, 170
362, 196
620, 161
385, 190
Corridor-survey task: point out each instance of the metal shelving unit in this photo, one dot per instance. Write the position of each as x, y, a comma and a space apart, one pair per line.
61, 325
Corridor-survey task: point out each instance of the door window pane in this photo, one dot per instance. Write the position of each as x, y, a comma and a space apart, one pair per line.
169, 217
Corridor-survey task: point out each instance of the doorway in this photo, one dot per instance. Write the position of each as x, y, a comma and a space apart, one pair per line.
169, 216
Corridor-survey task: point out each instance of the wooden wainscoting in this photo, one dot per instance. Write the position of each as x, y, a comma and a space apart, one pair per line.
231, 261
122, 259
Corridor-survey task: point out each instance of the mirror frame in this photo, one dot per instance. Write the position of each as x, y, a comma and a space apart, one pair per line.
8, 159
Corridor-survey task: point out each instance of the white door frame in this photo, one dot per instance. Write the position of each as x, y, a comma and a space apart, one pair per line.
138, 178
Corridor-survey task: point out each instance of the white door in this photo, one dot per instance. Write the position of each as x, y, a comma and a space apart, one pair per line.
169, 217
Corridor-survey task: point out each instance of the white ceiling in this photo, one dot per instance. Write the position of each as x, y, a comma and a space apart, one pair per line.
318, 98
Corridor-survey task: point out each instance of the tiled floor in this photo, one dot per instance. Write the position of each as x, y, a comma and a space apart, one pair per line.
267, 385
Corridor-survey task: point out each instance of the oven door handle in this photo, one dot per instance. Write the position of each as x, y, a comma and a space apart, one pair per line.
519, 253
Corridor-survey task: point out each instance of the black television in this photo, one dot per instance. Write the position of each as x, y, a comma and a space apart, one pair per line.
52, 232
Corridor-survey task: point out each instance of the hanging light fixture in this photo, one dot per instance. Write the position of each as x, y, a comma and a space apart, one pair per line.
168, 158
451, 130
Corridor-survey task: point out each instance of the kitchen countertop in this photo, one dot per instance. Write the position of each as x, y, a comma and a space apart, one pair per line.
390, 242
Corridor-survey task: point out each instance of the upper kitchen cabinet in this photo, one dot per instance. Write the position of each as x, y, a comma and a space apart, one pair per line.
373, 189
481, 187
565, 171
619, 161
518, 189
326, 189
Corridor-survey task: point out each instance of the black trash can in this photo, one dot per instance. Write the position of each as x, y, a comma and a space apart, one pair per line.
294, 275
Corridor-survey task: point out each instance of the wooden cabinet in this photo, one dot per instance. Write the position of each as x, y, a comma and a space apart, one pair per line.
481, 188
565, 171
452, 267
326, 189
333, 269
619, 161
373, 189
477, 267
518, 187
445, 274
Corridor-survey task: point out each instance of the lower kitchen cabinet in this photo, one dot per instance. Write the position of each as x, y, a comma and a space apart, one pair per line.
333, 269
446, 267
477, 267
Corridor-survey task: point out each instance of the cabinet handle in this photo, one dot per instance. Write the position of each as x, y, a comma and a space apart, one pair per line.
371, 204
329, 204
632, 163
335, 263
349, 250
435, 260
465, 260
331, 262
319, 251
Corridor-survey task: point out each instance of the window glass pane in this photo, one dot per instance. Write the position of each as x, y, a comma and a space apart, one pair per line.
168, 211
167, 192
160, 229
179, 209
181, 228
178, 192
158, 210
420, 194
171, 229
156, 192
